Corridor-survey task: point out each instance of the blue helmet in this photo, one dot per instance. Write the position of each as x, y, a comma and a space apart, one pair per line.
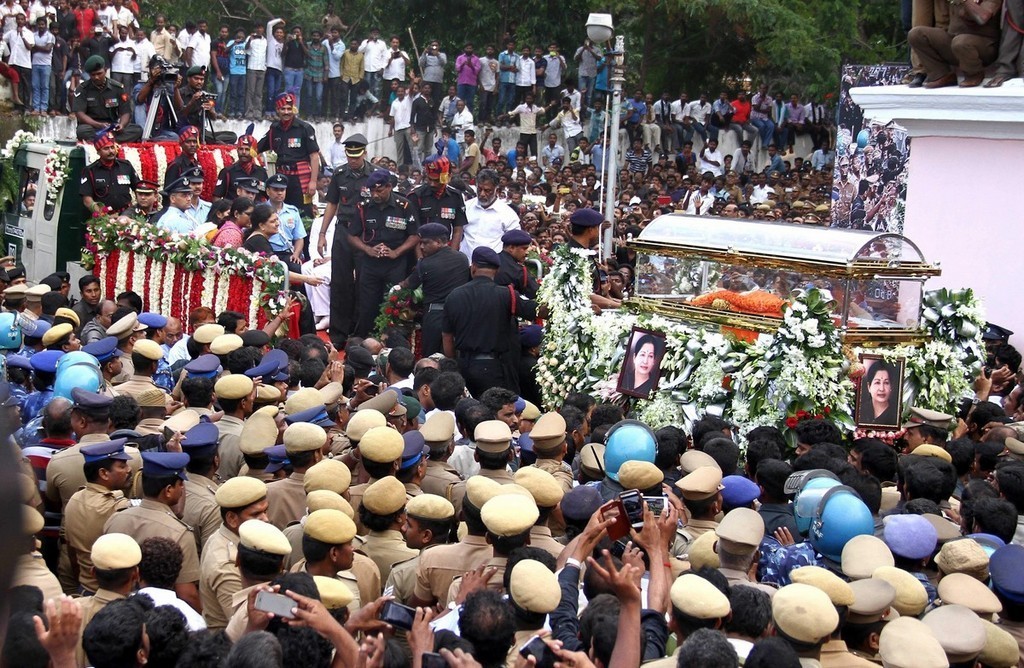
82, 374
77, 357
841, 515
811, 486
628, 440
10, 331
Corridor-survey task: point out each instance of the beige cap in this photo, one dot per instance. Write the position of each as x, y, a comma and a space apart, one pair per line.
872, 600
332, 393
701, 484
56, 333
863, 555
691, 460
268, 394
1015, 446
31, 521
207, 333
1001, 649
382, 445
263, 537
333, 592
64, 312
804, 613
480, 490
225, 343
439, 427
36, 292
962, 589
694, 596
114, 551
963, 555
382, 403
929, 450
959, 631
908, 643
741, 531
890, 497
303, 400
304, 437
233, 386
384, 497
181, 421
149, 349
944, 529
509, 514
701, 552
533, 587
327, 474
240, 491
493, 436
330, 526
322, 499
124, 327
430, 507
362, 422
636, 474
911, 596
258, 433
270, 409
542, 486
837, 590
154, 398
530, 412
548, 434
920, 416
16, 291
592, 460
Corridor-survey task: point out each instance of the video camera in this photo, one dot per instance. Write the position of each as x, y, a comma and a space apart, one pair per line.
204, 97
168, 71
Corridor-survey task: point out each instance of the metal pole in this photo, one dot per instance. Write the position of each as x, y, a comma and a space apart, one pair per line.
612, 166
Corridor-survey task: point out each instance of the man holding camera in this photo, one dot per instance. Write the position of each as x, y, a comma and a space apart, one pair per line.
101, 102
197, 106
165, 79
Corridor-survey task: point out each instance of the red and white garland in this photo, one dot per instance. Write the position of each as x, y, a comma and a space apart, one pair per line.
150, 161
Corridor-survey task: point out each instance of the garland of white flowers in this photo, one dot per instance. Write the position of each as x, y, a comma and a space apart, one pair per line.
56, 169
20, 139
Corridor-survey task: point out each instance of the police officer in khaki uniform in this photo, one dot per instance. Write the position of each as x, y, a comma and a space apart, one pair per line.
698, 599
163, 484
258, 542
535, 591
258, 433
239, 499
702, 495
126, 329
153, 404
429, 523
805, 617
548, 435
380, 451
439, 435
547, 494
383, 513
738, 536
867, 616
909, 643
327, 548
361, 422
303, 443
334, 594
106, 472
146, 354
30, 568
493, 452
234, 393
201, 510
115, 560
834, 653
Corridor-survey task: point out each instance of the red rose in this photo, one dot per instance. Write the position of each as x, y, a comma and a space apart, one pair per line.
802, 414
791, 422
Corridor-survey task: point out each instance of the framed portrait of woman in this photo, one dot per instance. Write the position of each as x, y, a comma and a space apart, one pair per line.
880, 398
641, 367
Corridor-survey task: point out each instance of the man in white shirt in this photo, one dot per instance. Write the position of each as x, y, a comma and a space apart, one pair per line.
527, 112
488, 84
143, 51
526, 77
9, 10
710, 159
742, 161
336, 151
19, 42
106, 15
699, 202
698, 111
762, 192
163, 42
375, 59
275, 69
487, 217
41, 64
199, 46
122, 59
335, 46
552, 155
679, 119
397, 62
122, 16
462, 121
569, 119
399, 120
255, 72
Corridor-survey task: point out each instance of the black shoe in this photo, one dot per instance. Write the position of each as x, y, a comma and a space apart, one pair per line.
917, 81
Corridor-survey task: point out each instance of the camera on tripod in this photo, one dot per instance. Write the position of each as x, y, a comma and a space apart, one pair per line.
168, 72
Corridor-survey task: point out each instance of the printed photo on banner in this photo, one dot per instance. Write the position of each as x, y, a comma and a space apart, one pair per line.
879, 401
641, 367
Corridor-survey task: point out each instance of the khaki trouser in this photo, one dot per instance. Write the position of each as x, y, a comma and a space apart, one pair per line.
941, 53
928, 14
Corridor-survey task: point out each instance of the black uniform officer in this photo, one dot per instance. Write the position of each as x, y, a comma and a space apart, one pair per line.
441, 270
515, 244
188, 159
109, 180
243, 168
437, 202
585, 228
298, 154
481, 328
384, 230
147, 201
101, 102
346, 191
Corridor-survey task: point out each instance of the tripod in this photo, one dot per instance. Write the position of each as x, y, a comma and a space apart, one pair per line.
161, 100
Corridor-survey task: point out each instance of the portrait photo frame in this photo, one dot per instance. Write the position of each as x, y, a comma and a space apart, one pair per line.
866, 414
642, 381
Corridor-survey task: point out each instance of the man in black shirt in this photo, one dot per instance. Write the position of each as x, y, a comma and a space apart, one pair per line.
188, 159
243, 168
108, 181
515, 244
441, 270
585, 228
480, 326
298, 154
384, 230
199, 109
101, 102
423, 121
437, 202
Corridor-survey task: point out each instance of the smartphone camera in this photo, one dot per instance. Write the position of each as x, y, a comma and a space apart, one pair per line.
633, 504
537, 648
398, 615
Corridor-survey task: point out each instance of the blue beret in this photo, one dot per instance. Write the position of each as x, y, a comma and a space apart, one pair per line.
910, 536
278, 456
35, 330
516, 238
153, 320
46, 360
378, 178
278, 357
164, 464
739, 492
264, 368
20, 362
316, 415
104, 349
415, 448
520, 405
525, 442
485, 257
1004, 567
201, 437
529, 336
586, 218
204, 366
434, 231
97, 452
86, 399
581, 503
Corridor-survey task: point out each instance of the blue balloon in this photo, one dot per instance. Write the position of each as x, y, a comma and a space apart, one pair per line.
862, 138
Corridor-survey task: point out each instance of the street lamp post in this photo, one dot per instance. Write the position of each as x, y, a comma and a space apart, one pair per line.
600, 30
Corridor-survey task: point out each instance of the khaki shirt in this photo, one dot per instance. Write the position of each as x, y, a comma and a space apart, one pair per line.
412, 489
541, 537
219, 579
667, 662
355, 499
436, 568
561, 472
90, 606
338, 442
834, 654
458, 490
439, 480
367, 575
202, 512
239, 614
150, 519
230, 452
150, 427
386, 548
293, 532
30, 569
496, 583
127, 369
345, 577
286, 500
689, 533
84, 516
136, 385
402, 580
64, 474
521, 638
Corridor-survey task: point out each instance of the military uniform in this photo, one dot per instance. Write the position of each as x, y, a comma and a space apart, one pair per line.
219, 579
150, 519
287, 499
438, 567
438, 275
104, 105
448, 209
180, 165
230, 452
84, 516
294, 146
136, 385
513, 273
228, 178
391, 224
347, 190
201, 510
111, 185
386, 548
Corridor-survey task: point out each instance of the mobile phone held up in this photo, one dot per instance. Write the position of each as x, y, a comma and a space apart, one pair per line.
536, 647
398, 615
278, 604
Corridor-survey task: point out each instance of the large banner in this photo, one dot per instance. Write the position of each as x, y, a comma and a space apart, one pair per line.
869, 189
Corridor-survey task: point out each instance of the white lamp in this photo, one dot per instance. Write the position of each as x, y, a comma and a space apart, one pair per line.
600, 28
